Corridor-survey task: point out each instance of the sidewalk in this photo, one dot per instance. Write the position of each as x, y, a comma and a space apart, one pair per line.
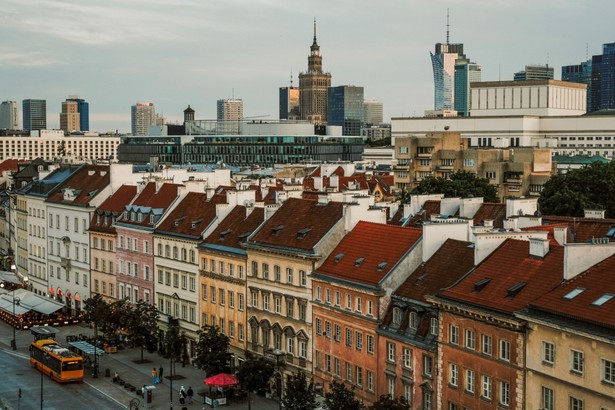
129, 367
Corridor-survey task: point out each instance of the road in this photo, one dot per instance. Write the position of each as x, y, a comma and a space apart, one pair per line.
16, 373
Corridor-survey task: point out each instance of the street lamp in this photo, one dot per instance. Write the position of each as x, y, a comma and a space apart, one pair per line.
46, 356
279, 354
16, 301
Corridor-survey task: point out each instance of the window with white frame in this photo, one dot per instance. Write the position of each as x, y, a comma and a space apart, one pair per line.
453, 334
453, 376
505, 350
548, 352
547, 398
289, 276
391, 352
370, 344
407, 358
576, 403
433, 328
413, 320
470, 380
577, 364
303, 278
470, 339
486, 391
370, 381
504, 393
608, 371
370, 308
486, 344
427, 365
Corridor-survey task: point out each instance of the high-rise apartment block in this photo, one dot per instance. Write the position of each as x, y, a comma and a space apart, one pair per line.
345, 108
466, 73
373, 112
9, 115
230, 110
289, 103
34, 114
69, 117
534, 72
83, 107
143, 115
314, 85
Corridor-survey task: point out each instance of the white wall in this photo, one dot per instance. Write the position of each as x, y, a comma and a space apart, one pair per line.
487, 242
578, 257
435, 234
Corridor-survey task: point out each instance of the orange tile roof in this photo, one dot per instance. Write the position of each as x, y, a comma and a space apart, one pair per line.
299, 224
112, 207
398, 218
494, 212
583, 229
150, 200
453, 260
360, 258
9, 165
549, 229
596, 282
429, 207
510, 265
236, 227
86, 183
191, 216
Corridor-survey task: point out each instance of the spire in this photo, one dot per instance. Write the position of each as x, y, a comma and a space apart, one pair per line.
314, 30
447, 27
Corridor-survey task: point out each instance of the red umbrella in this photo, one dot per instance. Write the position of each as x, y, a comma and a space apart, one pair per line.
222, 380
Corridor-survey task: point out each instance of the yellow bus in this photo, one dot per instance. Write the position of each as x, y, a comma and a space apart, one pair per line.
61, 364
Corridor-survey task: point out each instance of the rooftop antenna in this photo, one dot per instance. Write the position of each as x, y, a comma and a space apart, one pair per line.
314, 29
447, 26
547, 59
586, 52
291, 78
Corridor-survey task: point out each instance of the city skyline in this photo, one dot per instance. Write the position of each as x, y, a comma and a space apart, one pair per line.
114, 55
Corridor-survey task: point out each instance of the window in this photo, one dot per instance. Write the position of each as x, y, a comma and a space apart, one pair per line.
470, 339
407, 358
486, 393
254, 269
290, 345
338, 298
370, 381
303, 277
290, 308
302, 349
470, 381
348, 302
289, 275
486, 344
277, 273
391, 352
266, 301
453, 334
547, 399
328, 295
278, 304
318, 326
240, 300
608, 371
302, 311
370, 344
265, 271
370, 308
504, 393
255, 299
576, 362
391, 387
337, 334
453, 376
359, 379
338, 367
349, 372
548, 352
576, 404
359, 340
318, 293
427, 365
348, 337
359, 303
413, 321
505, 350
231, 299
427, 400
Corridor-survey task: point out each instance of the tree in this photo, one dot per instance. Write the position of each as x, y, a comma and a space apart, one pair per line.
387, 403
142, 327
569, 194
460, 184
254, 374
212, 351
340, 398
298, 393
96, 311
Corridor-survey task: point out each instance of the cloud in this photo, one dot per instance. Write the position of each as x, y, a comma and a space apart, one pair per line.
21, 58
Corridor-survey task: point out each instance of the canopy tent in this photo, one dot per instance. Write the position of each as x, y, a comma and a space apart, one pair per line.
222, 380
9, 277
27, 301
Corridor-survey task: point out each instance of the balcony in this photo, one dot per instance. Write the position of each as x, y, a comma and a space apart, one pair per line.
65, 263
447, 168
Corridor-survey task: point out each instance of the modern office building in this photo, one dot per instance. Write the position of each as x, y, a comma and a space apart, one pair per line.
535, 72
9, 115
373, 112
69, 117
345, 108
443, 65
34, 114
580, 73
289, 103
83, 107
229, 115
466, 73
314, 85
143, 114
603, 79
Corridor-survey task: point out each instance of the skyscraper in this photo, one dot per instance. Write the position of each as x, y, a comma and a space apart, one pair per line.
313, 85
466, 73
230, 110
34, 114
345, 108
580, 73
83, 107
289, 103
373, 112
603, 79
9, 115
69, 117
143, 114
535, 72
443, 65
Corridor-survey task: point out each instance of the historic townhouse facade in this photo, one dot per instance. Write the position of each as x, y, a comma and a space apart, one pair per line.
293, 242
224, 265
350, 294
70, 208
103, 241
408, 333
135, 246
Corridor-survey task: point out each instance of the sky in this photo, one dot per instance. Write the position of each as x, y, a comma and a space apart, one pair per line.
175, 53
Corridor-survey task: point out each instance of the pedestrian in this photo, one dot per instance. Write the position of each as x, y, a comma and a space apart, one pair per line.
182, 395
160, 371
190, 393
154, 376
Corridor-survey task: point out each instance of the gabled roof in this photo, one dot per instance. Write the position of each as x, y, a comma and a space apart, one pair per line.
150, 202
111, 208
359, 179
369, 252
398, 218
583, 229
491, 211
453, 260
82, 186
191, 216
509, 279
234, 230
429, 207
44, 187
299, 224
588, 297
9, 165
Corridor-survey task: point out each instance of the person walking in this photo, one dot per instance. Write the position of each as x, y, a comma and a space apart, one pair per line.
160, 371
190, 393
154, 376
182, 395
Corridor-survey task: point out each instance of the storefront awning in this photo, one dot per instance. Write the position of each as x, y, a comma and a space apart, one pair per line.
28, 301
9, 277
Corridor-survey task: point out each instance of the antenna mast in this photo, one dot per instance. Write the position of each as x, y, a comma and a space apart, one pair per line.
447, 27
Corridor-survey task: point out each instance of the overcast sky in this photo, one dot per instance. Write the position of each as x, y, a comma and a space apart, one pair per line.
115, 53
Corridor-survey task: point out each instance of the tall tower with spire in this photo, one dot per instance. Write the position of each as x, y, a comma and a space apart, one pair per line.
443, 65
313, 86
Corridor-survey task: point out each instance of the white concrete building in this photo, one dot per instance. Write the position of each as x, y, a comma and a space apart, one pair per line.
9, 115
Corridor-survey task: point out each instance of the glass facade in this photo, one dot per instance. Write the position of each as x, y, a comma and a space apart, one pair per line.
443, 65
579, 73
603, 79
34, 115
466, 73
345, 108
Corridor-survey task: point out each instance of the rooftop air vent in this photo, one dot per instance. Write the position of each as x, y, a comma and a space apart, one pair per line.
478, 286
514, 289
359, 261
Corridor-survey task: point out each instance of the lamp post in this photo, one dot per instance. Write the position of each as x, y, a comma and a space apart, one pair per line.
278, 356
46, 356
172, 322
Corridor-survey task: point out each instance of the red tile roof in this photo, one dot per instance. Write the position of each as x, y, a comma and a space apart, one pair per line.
597, 282
429, 207
191, 216
509, 265
360, 258
85, 183
453, 260
358, 179
112, 208
583, 229
398, 218
9, 165
494, 212
236, 227
150, 200
299, 224
549, 229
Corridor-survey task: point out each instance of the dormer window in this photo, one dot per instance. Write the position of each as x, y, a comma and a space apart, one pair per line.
276, 231
396, 316
413, 320
514, 289
301, 234
338, 257
479, 285
574, 293
381, 266
133, 216
358, 262
224, 233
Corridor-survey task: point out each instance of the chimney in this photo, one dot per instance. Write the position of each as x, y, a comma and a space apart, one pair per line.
539, 247
561, 234
594, 213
